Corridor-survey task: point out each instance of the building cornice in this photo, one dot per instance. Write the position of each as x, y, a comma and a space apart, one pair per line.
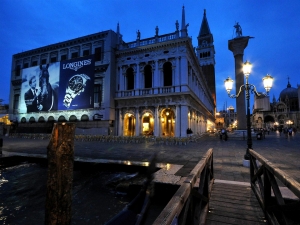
64, 44
155, 46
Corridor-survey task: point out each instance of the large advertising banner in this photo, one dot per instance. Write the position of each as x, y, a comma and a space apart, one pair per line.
58, 86
39, 88
76, 84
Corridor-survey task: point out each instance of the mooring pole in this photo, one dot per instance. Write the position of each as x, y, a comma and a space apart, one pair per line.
60, 153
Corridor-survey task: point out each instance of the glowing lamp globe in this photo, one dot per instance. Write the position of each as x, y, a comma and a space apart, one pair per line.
247, 68
228, 84
268, 82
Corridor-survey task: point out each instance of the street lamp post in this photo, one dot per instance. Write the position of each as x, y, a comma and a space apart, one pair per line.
267, 80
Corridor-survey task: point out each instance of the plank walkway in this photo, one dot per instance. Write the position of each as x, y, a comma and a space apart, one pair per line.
234, 203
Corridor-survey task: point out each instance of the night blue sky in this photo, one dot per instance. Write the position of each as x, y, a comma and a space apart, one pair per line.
275, 48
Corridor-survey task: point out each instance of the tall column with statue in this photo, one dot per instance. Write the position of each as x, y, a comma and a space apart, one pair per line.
237, 46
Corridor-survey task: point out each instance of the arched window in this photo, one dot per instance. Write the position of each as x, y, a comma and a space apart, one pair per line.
148, 76
167, 123
72, 118
61, 119
51, 119
84, 118
41, 119
31, 119
130, 79
167, 70
129, 125
148, 124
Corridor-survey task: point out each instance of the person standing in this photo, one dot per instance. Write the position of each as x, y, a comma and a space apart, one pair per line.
223, 134
31, 95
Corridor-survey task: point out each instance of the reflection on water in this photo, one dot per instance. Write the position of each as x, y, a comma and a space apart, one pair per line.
95, 199
22, 194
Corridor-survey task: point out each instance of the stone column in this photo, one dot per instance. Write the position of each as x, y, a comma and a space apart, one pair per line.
184, 73
156, 77
156, 122
121, 122
177, 121
237, 46
137, 77
184, 120
137, 122
122, 78
177, 72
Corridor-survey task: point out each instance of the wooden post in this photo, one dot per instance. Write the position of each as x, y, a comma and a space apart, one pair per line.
60, 153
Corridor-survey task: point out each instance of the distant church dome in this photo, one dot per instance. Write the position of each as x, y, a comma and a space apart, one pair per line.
289, 92
289, 96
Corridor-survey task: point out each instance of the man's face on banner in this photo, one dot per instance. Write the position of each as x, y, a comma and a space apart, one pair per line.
33, 83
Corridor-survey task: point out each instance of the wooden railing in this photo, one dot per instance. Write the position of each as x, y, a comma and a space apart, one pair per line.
189, 205
277, 209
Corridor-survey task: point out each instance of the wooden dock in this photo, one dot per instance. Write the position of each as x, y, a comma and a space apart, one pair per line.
234, 203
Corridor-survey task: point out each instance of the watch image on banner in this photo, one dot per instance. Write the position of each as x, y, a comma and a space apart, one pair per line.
76, 84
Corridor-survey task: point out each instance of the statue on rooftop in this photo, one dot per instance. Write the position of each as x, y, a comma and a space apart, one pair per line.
138, 34
156, 30
238, 30
177, 25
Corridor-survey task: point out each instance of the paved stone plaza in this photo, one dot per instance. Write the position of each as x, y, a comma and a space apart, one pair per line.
228, 155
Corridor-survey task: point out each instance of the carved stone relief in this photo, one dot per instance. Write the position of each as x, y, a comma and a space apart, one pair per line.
124, 68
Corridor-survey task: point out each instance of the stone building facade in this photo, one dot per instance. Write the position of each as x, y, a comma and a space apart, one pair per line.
283, 112
159, 85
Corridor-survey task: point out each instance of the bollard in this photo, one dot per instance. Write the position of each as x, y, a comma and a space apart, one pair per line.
60, 154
